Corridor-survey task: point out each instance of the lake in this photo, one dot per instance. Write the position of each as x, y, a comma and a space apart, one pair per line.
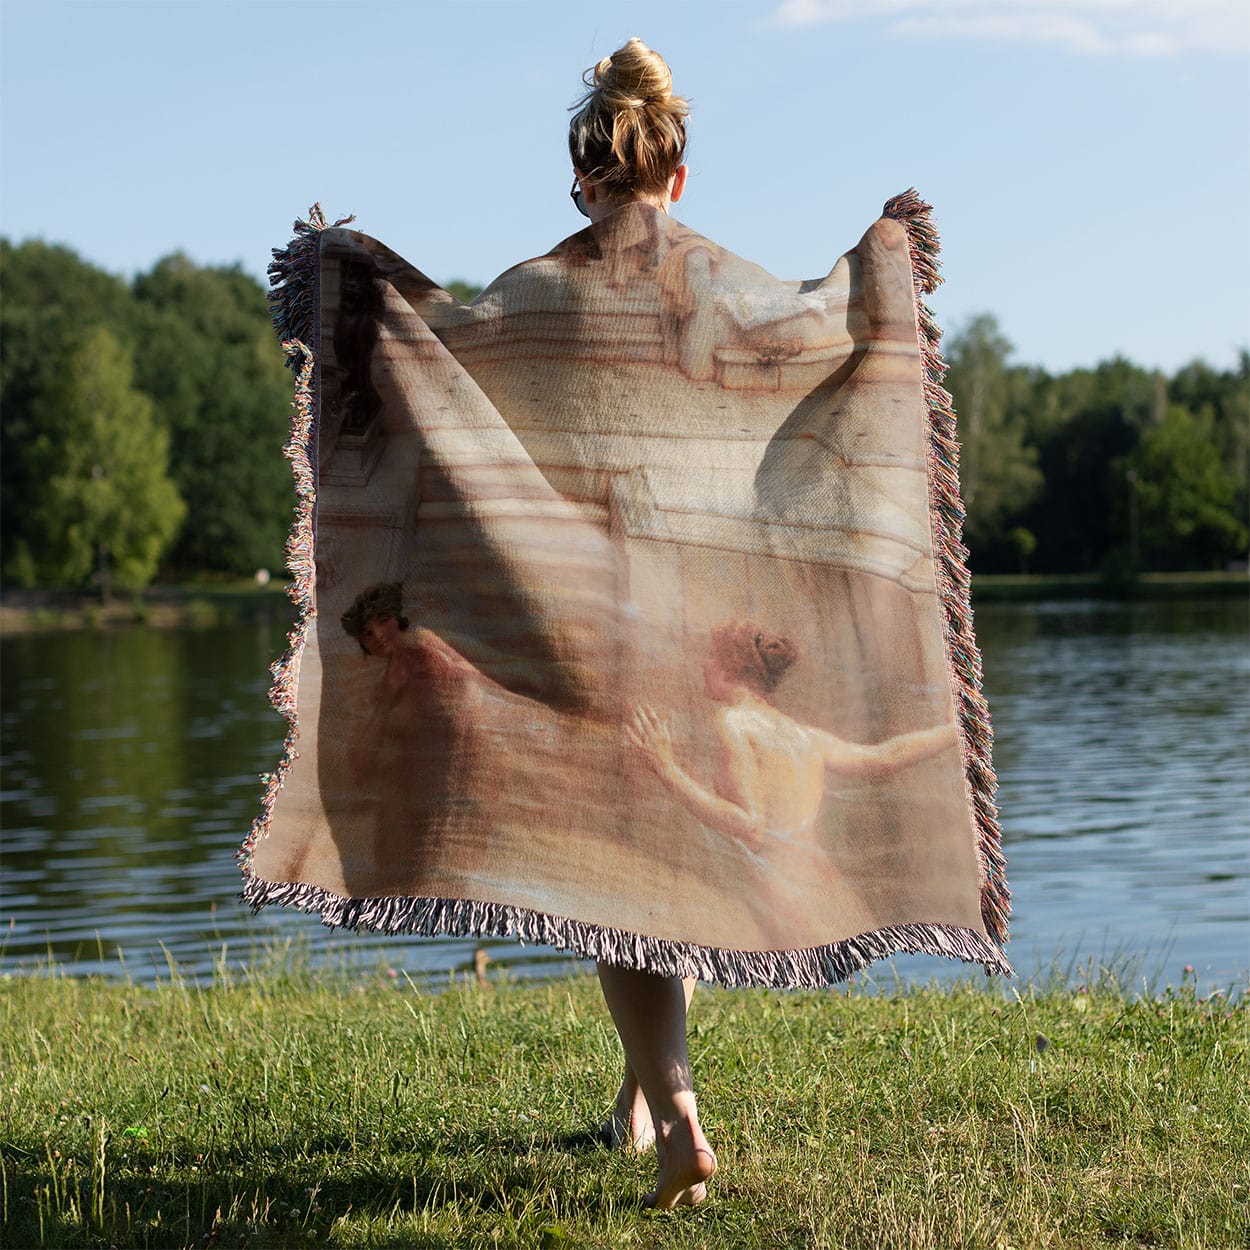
130, 762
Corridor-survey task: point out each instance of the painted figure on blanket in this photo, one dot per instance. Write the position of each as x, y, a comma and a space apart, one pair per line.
770, 780
425, 709
376, 620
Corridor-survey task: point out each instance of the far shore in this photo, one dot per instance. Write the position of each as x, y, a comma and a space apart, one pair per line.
1005, 587
199, 604
163, 606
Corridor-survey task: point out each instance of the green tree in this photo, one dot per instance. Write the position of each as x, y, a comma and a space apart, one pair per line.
1086, 423
51, 296
208, 358
102, 504
997, 466
1222, 398
465, 292
1024, 543
1185, 495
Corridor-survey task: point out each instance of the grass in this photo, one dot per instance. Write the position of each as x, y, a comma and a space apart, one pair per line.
291, 1109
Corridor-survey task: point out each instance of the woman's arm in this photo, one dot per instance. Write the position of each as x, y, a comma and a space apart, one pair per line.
880, 760
737, 815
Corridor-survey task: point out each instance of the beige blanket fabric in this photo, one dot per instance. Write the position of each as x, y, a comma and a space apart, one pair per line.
635, 619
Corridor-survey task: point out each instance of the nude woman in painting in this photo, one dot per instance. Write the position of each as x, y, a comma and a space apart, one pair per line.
420, 721
375, 619
770, 776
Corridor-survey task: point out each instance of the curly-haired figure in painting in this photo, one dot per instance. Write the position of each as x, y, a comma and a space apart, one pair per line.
770, 780
422, 709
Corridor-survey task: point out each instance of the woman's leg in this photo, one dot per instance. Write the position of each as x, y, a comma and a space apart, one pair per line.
629, 1123
650, 1015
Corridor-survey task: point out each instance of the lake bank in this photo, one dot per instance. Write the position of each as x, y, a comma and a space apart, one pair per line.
182, 605
279, 1109
198, 604
1029, 587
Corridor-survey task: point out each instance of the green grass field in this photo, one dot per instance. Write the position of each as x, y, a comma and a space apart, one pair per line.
287, 1109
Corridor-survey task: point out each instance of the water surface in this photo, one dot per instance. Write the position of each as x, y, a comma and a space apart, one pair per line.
131, 760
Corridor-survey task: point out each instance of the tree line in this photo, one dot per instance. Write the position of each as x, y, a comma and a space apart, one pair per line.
142, 422
1113, 470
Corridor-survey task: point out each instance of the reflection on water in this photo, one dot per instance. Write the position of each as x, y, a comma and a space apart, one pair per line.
131, 758
130, 774
1122, 734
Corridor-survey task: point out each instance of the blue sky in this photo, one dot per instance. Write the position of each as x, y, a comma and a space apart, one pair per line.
1089, 160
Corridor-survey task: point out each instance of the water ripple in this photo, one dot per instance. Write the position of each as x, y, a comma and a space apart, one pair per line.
131, 769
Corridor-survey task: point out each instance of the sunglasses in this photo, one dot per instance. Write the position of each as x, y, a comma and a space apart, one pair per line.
576, 196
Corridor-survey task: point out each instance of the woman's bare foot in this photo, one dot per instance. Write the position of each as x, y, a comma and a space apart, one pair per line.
649, 1012
686, 1165
629, 1126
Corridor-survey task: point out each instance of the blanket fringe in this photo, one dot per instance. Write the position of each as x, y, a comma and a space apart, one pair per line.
293, 305
293, 281
951, 560
789, 969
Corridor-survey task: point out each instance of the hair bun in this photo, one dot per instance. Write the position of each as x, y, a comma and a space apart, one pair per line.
629, 130
634, 76
777, 653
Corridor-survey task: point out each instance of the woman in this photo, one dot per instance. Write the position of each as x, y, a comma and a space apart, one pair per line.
628, 142
614, 447
771, 775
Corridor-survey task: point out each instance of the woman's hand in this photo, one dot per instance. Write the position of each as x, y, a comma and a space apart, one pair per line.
651, 735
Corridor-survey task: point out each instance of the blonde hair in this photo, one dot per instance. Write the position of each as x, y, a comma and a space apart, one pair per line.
629, 132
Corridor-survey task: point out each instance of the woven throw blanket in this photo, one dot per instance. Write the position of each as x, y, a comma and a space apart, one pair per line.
634, 615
